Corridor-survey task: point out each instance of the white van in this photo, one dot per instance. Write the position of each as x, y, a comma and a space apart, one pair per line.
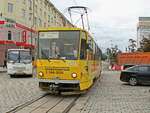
19, 62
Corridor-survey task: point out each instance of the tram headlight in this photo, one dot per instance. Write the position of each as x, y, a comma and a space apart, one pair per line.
74, 75
41, 74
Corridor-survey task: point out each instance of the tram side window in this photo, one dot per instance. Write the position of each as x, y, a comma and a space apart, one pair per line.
97, 53
100, 54
90, 41
94, 51
83, 46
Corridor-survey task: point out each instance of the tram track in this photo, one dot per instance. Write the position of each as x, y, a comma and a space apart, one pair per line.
47, 104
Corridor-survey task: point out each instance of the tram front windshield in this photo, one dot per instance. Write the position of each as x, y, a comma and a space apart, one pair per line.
58, 45
19, 56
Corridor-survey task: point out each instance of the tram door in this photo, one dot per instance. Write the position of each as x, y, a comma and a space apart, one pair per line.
83, 56
83, 47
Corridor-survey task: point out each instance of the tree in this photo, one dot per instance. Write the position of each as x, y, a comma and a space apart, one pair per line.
144, 45
109, 52
104, 56
132, 45
112, 53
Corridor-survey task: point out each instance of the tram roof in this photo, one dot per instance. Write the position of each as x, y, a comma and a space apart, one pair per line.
60, 28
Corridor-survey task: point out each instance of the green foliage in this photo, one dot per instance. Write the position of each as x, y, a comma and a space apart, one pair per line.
104, 56
112, 53
145, 45
132, 45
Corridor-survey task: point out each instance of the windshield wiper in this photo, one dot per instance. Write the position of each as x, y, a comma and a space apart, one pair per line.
14, 61
26, 62
61, 58
48, 58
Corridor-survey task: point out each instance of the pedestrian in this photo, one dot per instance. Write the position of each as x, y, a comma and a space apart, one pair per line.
5, 64
112, 65
5, 61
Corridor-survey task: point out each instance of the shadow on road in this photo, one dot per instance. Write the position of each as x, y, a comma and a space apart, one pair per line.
21, 76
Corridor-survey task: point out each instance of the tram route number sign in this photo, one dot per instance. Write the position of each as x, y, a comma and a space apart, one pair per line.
54, 72
57, 68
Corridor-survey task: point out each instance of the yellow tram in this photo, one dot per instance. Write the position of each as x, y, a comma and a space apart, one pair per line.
68, 60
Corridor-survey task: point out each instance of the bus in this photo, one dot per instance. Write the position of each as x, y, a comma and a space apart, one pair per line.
19, 62
68, 60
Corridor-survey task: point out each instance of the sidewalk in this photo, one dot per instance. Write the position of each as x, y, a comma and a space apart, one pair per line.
3, 69
110, 95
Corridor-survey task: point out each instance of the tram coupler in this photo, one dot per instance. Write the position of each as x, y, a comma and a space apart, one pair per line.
54, 88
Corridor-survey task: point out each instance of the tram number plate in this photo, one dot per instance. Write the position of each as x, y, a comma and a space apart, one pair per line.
55, 72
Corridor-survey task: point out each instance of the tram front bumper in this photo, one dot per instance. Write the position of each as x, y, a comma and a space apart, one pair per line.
58, 81
59, 85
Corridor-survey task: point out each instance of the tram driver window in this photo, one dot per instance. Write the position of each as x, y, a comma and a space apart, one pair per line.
45, 53
83, 46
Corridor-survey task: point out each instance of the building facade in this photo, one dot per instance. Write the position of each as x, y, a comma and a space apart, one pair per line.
143, 29
19, 20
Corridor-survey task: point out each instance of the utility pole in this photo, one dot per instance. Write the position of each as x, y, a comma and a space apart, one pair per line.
32, 26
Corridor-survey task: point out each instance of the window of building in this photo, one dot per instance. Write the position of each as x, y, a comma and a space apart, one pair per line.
49, 9
23, 12
44, 24
45, 14
35, 8
41, 1
49, 17
40, 11
45, 4
30, 4
35, 20
10, 7
19, 37
54, 16
52, 20
30, 16
40, 22
24, 1
9, 35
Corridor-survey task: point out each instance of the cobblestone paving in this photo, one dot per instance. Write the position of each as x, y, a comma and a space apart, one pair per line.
110, 95
17, 91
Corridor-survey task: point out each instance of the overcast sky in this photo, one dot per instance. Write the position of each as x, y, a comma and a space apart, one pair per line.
112, 21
